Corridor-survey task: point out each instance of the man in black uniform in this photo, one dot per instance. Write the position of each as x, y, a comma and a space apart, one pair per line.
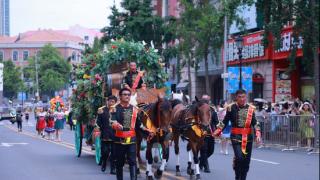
207, 148
125, 121
133, 79
243, 121
107, 134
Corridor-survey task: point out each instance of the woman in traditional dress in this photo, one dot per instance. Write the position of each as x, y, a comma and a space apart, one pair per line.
59, 122
41, 122
50, 125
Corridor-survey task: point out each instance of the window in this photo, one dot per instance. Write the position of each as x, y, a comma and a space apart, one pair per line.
25, 55
1, 55
15, 55
73, 57
86, 38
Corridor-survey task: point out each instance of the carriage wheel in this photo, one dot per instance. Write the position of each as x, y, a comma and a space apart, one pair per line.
97, 143
78, 139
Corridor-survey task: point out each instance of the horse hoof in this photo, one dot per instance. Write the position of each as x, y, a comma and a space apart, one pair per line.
150, 178
198, 177
178, 173
158, 174
190, 172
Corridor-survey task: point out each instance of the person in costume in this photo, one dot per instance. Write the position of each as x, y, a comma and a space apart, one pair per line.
207, 148
107, 134
134, 78
41, 122
59, 123
243, 122
50, 125
126, 121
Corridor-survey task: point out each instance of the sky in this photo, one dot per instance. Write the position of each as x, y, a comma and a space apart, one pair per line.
28, 15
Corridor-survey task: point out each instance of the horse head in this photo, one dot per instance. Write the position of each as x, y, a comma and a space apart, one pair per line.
162, 113
202, 111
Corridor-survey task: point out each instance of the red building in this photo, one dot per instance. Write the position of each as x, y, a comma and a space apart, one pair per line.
272, 79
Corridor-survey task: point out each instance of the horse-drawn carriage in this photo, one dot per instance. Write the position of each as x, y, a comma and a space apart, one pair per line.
101, 75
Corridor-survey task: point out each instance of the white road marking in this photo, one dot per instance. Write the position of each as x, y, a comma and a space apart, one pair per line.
264, 161
11, 144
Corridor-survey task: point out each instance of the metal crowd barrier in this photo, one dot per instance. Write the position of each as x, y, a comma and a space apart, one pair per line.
290, 132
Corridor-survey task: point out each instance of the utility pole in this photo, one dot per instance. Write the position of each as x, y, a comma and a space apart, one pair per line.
225, 57
37, 78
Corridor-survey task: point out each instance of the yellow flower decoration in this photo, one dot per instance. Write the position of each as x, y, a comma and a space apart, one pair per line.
86, 76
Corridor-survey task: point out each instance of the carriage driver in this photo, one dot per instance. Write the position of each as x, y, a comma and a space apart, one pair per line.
126, 121
134, 78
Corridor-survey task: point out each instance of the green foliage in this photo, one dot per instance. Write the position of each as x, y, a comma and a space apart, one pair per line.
305, 14
53, 72
115, 28
146, 58
12, 82
89, 94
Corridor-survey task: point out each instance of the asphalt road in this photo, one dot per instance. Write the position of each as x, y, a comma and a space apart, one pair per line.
25, 156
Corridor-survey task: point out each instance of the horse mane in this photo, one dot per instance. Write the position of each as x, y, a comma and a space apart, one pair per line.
195, 105
175, 102
165, 106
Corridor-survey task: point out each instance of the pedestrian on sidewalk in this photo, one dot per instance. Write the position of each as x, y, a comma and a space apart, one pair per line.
26, 116
243, 122
70, 121
19, 120
226, 132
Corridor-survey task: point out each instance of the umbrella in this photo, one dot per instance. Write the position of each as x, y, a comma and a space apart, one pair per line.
260, 100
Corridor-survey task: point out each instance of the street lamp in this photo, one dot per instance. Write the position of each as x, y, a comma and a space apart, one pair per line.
239, 44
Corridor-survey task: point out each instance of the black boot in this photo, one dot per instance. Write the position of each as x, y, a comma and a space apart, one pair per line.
133, 171
243, 176
112, 168
120, 173
201, 165
206, 166
238, 175
103, 166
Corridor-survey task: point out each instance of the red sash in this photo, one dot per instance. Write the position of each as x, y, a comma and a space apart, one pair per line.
246, 126
131, 133
136, 80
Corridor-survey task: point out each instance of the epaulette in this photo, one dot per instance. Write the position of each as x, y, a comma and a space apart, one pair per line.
100, 109
229, 106
252, 106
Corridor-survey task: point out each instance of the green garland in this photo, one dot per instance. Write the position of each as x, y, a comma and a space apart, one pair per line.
88, 96
147, 59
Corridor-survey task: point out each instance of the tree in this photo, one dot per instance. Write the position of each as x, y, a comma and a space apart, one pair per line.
115, 28
304, 17
54, 71
12, 82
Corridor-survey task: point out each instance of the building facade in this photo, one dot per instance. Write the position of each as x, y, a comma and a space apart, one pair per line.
273, 80
20, 48
4, 18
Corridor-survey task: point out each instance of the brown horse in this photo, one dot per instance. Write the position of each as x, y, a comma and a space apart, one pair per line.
157, 117
191, 123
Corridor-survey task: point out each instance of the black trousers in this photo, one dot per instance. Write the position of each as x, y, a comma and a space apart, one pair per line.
207, 149
125, 151
19, 123
107, 150
241, 162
